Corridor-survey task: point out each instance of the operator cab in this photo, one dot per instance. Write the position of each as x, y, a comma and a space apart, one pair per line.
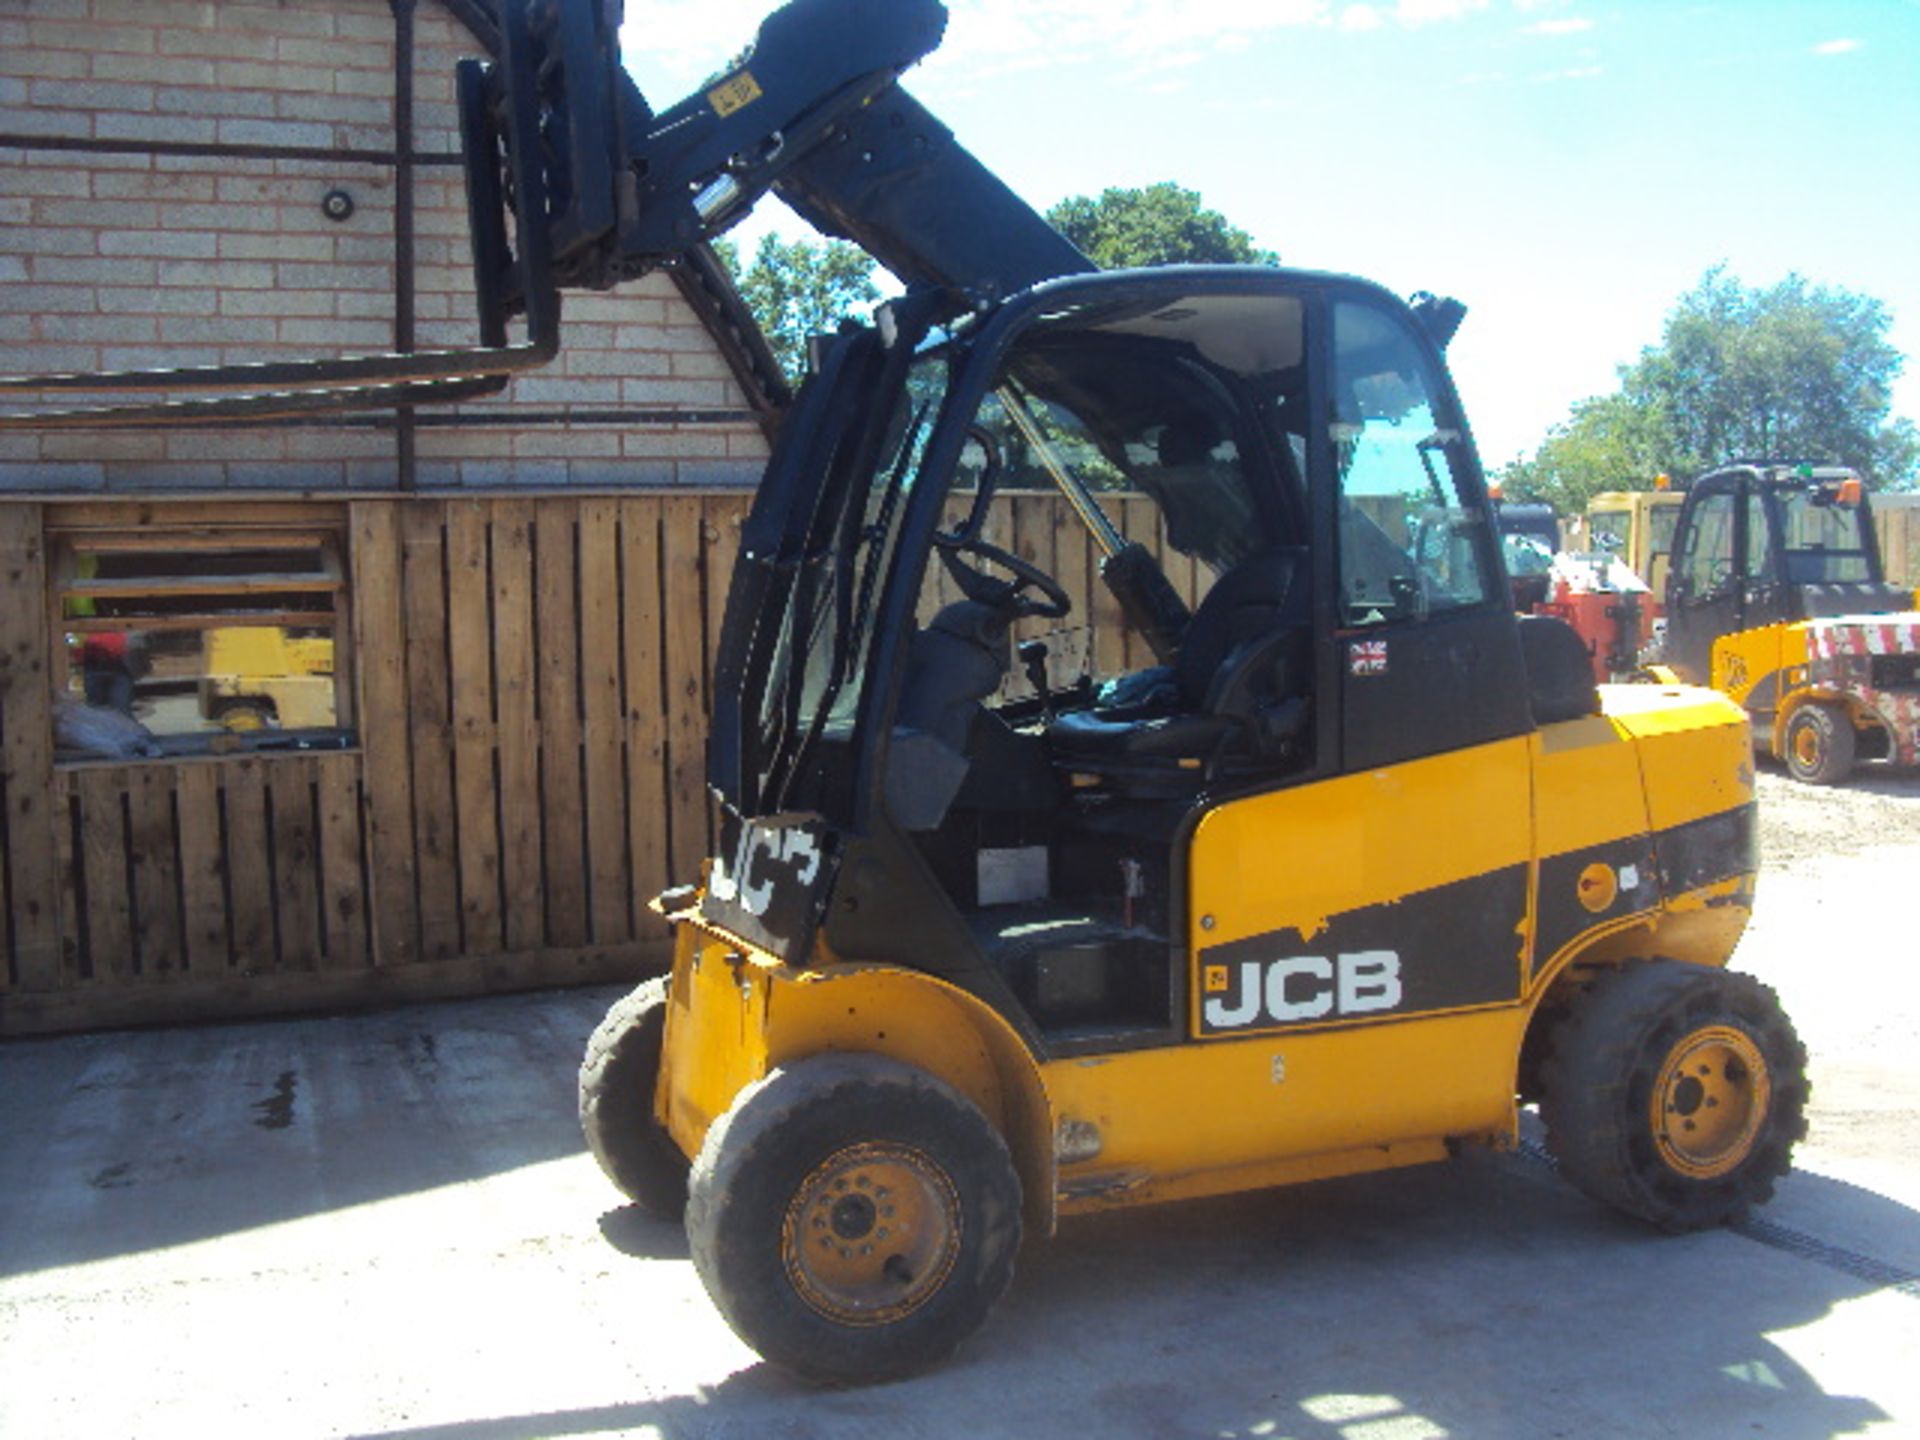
1770, 543
1124, 548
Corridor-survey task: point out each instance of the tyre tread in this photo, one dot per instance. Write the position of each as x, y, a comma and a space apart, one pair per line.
1597, 1073
616, 1103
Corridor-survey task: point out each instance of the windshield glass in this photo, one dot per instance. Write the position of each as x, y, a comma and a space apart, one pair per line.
1661, 520
815, 557
1825, 542
1190, 404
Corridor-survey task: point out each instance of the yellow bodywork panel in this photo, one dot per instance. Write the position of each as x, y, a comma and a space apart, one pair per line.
1745, 659
734, 1015
1289, 859
1364, 955
1697, 752
1586, 784
1204, 1119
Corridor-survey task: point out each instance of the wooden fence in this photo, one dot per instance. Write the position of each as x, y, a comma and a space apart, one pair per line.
530, 688
529, 684
1897, 519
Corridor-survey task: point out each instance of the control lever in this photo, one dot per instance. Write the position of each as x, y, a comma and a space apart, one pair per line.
1033, 656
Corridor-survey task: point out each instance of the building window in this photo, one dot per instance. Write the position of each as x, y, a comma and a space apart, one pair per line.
182, 641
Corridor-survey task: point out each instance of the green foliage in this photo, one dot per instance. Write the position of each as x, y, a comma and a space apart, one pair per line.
1793, 371
1158, 225
797, 289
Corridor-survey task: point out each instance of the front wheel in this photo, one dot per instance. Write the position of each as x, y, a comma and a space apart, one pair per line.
1819, 743
617, 1079
1675, 1092
854, 1219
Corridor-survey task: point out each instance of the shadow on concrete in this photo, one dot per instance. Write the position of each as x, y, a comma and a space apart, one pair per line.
635, 1233
115, 1143
1478, 1299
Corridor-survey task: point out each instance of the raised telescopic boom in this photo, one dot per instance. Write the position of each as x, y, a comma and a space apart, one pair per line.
574, 181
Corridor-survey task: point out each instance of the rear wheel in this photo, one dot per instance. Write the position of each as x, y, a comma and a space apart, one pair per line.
1819, 743
1676, 1093
854, 1219
617, 1078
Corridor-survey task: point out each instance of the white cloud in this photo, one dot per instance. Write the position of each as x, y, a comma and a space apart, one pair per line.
1360, 17
1836, 47
1568, 25
1427, 12
1579, 72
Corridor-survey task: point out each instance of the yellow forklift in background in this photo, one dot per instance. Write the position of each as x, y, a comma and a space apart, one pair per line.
1778, 599
1636, 528
259, 677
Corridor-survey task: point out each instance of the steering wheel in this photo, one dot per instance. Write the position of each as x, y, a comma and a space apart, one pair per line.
1010, 595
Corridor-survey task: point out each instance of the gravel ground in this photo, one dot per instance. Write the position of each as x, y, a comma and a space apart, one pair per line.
1873, 809
1835, 932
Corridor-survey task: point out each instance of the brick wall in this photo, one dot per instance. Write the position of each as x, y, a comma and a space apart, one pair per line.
140, 260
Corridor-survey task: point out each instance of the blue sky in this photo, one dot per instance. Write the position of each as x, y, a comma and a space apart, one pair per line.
1567, 168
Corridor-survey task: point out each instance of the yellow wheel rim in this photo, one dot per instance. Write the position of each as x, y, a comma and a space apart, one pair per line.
872, 1234
1806, 745
243, 719
1710, 1101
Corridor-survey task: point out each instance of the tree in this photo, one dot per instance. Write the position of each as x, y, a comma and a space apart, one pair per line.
1158, 225
797, 289
1793, 371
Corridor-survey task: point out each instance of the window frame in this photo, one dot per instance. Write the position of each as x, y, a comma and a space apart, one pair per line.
1462, 470
153, 532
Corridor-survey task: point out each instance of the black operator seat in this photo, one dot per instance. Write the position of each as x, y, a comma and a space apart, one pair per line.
1237, 684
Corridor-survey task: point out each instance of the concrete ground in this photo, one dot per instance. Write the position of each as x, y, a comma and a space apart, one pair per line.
385, 1225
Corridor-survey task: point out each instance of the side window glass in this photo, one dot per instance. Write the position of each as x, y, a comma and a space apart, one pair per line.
1708, 564
1409, 545
1759, 542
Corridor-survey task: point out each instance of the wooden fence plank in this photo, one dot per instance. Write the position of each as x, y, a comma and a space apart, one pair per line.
26, 751
250, 892
517, 741
430, 715
681, 545
607, 874
475, 795
379, 621
202, 869
725, 514
296, 857
557, 622
1073, 552
644, 708
343, 900
103, 830
1140, 522
1109, 621
156, 892
72, 880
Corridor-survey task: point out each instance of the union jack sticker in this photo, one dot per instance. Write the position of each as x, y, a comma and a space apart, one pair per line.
1367, 657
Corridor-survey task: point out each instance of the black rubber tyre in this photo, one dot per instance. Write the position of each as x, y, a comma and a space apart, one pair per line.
616, 1104
1819, 744
854, 1219
1676, 1093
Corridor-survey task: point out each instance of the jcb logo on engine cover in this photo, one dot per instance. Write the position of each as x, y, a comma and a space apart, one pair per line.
1299, 988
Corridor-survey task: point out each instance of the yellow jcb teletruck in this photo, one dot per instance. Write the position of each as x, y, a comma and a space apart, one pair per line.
1361, 866
1778, 598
